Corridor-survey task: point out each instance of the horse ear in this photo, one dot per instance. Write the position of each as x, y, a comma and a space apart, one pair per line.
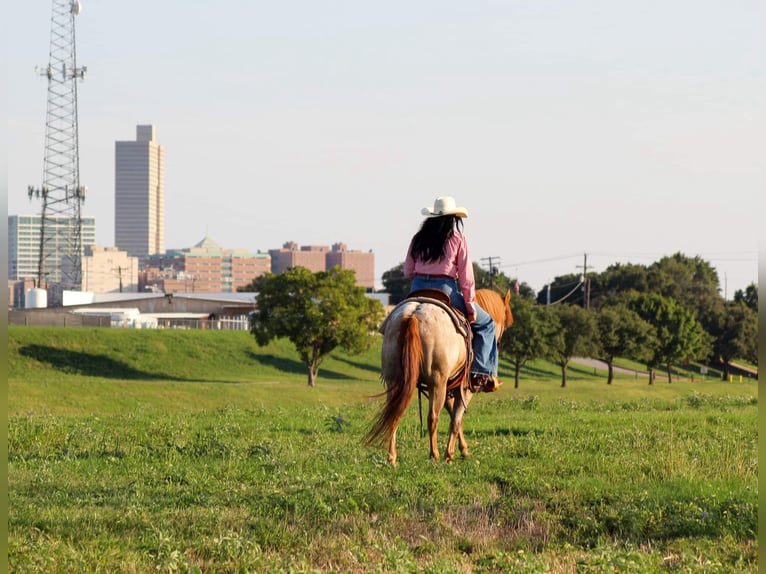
507, 297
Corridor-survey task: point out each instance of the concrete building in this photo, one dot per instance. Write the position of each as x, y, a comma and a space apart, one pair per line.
205, 268
139, 210
24, 244
317, 258
109, 270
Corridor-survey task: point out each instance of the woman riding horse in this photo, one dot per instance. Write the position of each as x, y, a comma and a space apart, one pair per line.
424, 348
438, 258
423, 345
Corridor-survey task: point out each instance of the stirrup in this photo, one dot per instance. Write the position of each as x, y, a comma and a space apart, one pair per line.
481, 383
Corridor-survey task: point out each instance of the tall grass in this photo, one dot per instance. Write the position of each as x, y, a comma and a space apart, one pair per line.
197, 463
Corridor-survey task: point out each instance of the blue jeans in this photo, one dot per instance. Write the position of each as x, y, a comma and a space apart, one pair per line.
483, 328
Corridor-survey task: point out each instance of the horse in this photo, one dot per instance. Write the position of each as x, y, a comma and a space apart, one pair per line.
423, 348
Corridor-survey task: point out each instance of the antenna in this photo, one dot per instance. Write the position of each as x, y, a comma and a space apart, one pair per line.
60, 256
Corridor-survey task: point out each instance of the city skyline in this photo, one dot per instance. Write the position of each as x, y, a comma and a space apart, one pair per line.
626, 133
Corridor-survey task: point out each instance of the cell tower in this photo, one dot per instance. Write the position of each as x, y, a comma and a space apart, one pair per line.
61, 192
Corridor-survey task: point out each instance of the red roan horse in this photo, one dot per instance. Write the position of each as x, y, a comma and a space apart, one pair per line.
421, 344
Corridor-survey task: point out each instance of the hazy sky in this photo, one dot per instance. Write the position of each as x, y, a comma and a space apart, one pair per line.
626, 130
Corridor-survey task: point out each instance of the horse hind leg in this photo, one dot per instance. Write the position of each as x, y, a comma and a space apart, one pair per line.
438, 396
392, 454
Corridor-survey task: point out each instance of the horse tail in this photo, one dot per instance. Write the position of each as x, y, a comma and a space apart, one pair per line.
401, 389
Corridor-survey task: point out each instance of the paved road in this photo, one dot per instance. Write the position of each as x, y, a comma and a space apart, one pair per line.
596, 364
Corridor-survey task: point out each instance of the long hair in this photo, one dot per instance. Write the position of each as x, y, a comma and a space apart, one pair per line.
428, 243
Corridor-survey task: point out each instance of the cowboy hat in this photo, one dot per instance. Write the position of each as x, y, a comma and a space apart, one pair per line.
444, 206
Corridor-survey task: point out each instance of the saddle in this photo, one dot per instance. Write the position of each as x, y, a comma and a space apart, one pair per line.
462, 326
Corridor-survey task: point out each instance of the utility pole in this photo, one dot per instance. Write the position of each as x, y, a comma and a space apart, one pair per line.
585, 282
119, 274
492, 268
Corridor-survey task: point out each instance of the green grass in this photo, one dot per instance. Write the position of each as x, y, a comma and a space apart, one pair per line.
185, 451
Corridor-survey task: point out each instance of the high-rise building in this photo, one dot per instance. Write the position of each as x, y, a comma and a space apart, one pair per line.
24, 244
139, 202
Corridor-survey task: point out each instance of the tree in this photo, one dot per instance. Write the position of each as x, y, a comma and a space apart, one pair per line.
692, 282
735, 336
749, 296
317, 312
396, 284
577, 335
616, 281
622, 333
528, 339
678, 335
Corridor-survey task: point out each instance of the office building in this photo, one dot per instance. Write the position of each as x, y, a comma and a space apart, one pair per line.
24, 244
139, 210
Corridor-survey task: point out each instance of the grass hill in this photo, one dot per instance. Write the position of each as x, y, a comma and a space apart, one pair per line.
82, 370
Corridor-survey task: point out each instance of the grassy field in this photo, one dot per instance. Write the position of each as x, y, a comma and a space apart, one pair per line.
188, 451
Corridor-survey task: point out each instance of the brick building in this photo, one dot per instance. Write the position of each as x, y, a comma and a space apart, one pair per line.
317, 258
205, 268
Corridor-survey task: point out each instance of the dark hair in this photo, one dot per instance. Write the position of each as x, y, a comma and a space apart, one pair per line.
428, 243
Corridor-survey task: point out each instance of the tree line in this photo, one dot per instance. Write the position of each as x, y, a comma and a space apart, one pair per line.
662, 314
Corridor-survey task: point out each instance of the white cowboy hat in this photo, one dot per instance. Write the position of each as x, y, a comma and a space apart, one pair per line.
444, 206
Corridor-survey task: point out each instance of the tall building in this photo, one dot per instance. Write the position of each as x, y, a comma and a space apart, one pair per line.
24, 244
139, 206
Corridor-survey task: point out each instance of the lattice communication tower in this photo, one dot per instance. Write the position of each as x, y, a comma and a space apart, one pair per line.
61, 192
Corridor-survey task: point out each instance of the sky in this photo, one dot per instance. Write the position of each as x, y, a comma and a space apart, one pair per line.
619, 131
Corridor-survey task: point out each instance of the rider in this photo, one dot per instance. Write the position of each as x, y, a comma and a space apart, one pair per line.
438, 257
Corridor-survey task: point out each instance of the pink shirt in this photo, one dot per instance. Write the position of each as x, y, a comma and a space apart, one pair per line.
455, 263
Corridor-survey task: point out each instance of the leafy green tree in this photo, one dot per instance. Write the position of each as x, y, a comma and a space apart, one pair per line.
622, 333
577, 335
735, 336
529, 336
678, 335
749, 296
317, 312
692, 282
617, 281
396, 284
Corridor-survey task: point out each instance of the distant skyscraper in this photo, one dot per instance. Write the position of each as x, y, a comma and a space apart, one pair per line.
24, 244
139, 210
